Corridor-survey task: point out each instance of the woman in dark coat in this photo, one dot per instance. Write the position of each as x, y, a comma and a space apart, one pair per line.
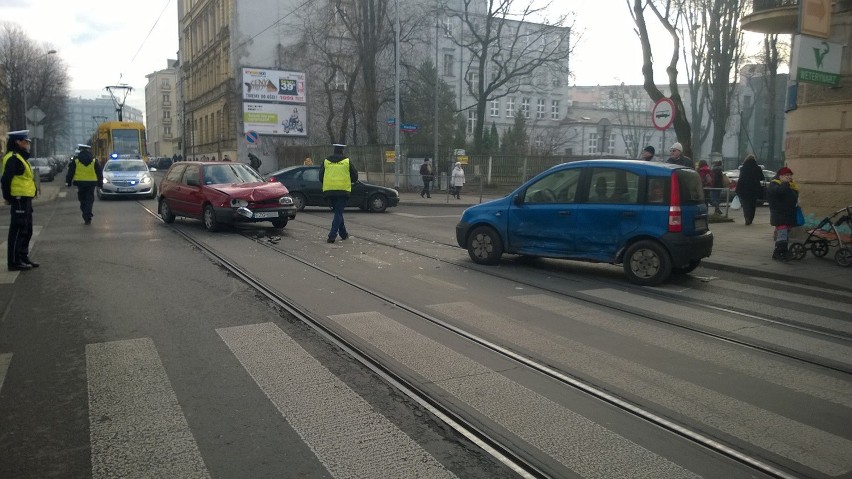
749, 186
783, 196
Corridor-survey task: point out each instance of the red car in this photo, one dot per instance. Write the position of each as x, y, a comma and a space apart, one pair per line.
222, 193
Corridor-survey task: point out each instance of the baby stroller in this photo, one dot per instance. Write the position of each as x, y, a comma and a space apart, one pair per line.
830, 232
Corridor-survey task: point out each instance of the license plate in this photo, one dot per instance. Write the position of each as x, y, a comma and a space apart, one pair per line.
126, 190
266, 214
701, 224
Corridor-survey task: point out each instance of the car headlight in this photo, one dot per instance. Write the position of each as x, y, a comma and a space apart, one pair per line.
106, 180
285, 200
238, 203
146, 180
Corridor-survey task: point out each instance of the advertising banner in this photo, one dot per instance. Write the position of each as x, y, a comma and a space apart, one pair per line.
273, 85
274, 119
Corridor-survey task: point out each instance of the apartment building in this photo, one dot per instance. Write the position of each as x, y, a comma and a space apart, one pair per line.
161, 100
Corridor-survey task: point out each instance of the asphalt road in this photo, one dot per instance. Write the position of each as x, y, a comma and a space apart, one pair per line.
131, 350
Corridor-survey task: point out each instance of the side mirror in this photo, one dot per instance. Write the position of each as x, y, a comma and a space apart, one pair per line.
518, 200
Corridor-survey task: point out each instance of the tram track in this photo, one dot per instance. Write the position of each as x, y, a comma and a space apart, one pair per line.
547, 285
503, 452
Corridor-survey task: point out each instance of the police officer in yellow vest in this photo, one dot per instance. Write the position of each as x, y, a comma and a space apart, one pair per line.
85, 172
337, 175
19, 189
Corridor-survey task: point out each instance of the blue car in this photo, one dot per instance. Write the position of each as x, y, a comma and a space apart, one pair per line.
650, 217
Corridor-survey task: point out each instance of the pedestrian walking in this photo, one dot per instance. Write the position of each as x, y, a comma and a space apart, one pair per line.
86, 173
337, 174
254, 161
457, 179
428, 174
749, 187
783, 196
718, 185
676, 157
19, 189
647, 153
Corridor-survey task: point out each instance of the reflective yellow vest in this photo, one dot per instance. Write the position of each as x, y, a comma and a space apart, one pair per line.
84, 172
22, 185
336, 176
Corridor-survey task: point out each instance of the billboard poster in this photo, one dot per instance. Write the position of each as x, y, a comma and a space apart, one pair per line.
274, 119
273, 85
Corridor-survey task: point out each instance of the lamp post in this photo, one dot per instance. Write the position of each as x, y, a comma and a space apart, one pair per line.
396, 98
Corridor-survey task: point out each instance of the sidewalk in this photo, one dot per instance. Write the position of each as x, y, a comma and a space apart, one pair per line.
738, 248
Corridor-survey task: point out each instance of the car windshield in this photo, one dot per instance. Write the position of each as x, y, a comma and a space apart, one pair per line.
229, 173
125, 166
38, 162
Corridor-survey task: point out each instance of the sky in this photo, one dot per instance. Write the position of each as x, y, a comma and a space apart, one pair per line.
109, 42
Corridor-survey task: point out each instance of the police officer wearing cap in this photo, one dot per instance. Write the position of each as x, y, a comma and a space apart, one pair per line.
86, 173
337, 175
19, 189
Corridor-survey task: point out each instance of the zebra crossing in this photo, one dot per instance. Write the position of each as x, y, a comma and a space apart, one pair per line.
138, 429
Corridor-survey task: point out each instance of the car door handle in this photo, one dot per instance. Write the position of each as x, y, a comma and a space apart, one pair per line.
564, 213
628, 214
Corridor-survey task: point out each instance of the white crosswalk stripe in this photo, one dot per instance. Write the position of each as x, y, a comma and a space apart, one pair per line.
690, 315
501, 399
5, 360
137, 427
343, 430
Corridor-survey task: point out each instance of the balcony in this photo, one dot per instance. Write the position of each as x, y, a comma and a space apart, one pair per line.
772, 16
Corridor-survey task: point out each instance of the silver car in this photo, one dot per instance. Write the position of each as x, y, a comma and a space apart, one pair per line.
127, 178
42, 168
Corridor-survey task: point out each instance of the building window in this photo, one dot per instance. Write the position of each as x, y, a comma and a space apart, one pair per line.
510, 107
471, 121
539, 108
165, 83
593, 142
525, 107
554, 109
166, 98
495, 107
449, 63
472, 77
610, 147
167, 114
339, 80
448, 27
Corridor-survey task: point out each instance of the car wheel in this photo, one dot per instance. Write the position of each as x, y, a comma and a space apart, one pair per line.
484, 245
377, 203
299, 201
166, 212
647, 263
279, 223
688, 268
209, 218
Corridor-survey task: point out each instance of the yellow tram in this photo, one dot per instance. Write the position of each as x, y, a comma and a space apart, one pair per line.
119, 140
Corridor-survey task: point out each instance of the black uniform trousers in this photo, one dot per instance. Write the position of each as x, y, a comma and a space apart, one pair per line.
20, 230
86, 196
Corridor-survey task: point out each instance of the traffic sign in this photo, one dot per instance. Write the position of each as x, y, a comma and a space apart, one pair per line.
408, 127
35, 114
252, 137
663, 113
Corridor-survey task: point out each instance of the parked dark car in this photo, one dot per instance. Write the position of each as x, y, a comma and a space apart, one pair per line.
160, 163
306, 189
222, 193
650, 217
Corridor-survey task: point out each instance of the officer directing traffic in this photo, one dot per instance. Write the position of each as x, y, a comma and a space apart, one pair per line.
19, 189
85, 172
337, 175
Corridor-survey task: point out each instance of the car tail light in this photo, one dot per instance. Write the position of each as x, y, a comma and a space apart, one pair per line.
675, 214
272, 180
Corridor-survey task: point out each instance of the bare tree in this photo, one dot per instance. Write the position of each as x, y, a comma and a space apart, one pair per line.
631, 111
773, 55
32, 78
507, 51
669, 18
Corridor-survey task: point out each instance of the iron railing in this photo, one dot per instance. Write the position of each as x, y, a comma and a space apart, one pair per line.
760, 5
